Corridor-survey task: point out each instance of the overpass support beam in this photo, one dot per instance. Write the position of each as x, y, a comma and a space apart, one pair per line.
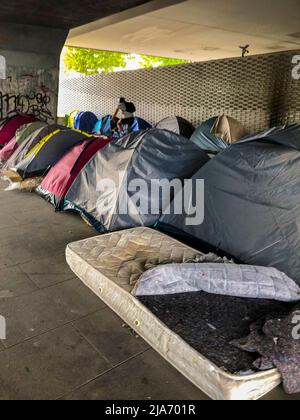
29, 70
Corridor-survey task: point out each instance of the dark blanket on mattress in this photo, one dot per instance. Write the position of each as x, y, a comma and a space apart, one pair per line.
276, 338
209, 323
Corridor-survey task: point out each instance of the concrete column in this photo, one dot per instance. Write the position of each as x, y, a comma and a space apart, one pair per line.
29, 70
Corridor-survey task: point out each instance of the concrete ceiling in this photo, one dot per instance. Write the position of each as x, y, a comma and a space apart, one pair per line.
63, 14
197, 29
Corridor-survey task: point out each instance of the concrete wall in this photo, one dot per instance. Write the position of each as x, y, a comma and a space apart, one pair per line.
29, 83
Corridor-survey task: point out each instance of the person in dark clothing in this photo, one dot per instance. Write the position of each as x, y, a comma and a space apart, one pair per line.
128, 114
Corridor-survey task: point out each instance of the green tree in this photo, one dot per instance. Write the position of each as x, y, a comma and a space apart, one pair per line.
149, 61
89, 62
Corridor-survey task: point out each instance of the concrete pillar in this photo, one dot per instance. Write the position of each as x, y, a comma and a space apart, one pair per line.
29, 70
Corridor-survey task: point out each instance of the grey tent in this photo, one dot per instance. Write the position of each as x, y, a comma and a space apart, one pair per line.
218, 133
144, 159
252, 202
48, 151
178, 125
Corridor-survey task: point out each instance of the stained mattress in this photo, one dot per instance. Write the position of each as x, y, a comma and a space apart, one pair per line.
110, 265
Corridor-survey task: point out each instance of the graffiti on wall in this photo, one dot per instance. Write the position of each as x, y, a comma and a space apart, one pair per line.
23, 91
36, 104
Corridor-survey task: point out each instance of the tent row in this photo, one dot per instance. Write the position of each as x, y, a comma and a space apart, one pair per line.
212, 136
251, 225
251, 188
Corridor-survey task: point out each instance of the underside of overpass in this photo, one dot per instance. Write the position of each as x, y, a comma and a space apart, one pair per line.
65, 15
197, 29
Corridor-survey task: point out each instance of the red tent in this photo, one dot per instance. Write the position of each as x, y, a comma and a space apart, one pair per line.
9, 127
61, 177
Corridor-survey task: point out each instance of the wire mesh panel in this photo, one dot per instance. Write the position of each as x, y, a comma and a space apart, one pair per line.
257, 90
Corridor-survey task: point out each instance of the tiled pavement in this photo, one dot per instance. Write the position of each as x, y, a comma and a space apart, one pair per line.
62, 341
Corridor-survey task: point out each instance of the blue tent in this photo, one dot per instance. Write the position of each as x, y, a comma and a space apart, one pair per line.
106, 127
85, 121
140, 124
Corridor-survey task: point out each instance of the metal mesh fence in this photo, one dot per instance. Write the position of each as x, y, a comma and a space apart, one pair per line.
257, 90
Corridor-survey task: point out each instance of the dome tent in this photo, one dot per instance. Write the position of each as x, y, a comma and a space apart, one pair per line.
61, 177
48, 152
20, 153
178, 125
252, 202
21, 135
9, 127
150, 156
218, 134
85, 121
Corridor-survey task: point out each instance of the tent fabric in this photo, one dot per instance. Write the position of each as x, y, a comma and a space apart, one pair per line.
22, 134
243, 281
178, 125
252, 202
61, 177
11, 125
49, 151
8, 150
21, 152
71, 118
149, 157
105, 127
26, 130
139, 124
85, 121
218, 133
98, 127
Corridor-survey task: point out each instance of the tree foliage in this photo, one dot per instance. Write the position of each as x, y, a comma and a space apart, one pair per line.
149, 61
89, 62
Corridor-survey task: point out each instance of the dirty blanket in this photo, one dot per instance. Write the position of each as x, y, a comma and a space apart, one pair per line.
277, 339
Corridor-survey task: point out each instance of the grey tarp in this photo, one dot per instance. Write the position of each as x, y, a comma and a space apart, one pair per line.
219, 279
252, 202
148, 157
178, 125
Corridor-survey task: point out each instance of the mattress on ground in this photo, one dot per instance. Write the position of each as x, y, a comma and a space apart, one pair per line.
110, 265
